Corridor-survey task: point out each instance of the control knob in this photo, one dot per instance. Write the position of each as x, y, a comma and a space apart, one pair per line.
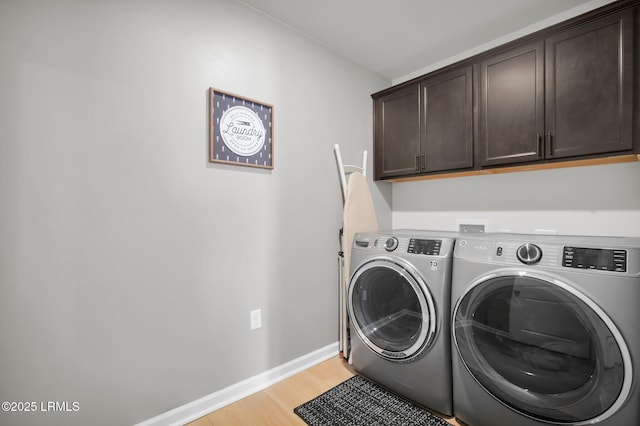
529, 254
391, 244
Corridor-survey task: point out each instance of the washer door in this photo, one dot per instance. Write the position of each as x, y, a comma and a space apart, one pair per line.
542, 348
391, 308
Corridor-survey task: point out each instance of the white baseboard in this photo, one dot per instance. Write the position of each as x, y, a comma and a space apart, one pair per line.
207, 404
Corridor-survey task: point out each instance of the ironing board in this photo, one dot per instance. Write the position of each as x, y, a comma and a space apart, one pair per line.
359, 215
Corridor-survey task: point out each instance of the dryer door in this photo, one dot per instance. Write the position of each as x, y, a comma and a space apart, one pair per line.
542, 348
391, 308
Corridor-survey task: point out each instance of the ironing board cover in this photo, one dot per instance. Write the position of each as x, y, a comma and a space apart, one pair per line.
359, 216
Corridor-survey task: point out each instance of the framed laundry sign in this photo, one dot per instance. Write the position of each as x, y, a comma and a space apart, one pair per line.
241, 130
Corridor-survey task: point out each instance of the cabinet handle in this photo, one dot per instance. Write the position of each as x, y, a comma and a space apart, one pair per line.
549, 144
538, 144
417, 162
424, 162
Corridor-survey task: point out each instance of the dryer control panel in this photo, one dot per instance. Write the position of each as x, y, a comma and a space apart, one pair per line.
593, 258
428, 247
413, 243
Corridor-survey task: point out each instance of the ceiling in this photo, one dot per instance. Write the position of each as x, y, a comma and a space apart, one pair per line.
396, 38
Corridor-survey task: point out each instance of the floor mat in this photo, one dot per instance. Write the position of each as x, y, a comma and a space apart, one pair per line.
359, 402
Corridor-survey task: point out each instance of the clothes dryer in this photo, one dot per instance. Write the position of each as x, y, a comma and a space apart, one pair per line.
399, 305
545, 330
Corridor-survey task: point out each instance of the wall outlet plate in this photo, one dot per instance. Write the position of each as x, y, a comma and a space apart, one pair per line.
256, 319
471, 229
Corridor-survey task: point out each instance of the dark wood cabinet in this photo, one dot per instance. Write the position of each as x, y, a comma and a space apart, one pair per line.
570, 92
447, 116
425, 127
569, 95
397, 132
511, 106
589, 88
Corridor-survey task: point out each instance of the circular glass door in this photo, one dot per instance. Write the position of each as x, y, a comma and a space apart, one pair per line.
542, 348
391, 309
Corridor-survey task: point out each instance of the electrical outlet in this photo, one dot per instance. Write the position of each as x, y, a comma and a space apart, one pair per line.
256, 319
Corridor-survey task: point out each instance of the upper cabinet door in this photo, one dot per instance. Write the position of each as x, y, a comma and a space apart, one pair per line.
589, 88
397, 133
511, 106
447, 136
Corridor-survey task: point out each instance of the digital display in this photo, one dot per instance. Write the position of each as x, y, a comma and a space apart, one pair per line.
594, 257
429, 247
590, 258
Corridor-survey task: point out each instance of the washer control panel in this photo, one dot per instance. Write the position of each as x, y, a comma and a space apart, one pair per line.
602, 255
529, 254
593, 258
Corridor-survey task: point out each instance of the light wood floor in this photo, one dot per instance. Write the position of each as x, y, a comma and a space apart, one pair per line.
274, 405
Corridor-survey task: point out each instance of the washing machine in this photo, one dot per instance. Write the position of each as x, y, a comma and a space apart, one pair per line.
545, 330
399, 306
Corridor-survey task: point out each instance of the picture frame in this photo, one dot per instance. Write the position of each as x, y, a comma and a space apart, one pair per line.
240, 130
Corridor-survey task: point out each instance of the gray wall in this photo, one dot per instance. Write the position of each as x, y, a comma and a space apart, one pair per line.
591, 200
128, 263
